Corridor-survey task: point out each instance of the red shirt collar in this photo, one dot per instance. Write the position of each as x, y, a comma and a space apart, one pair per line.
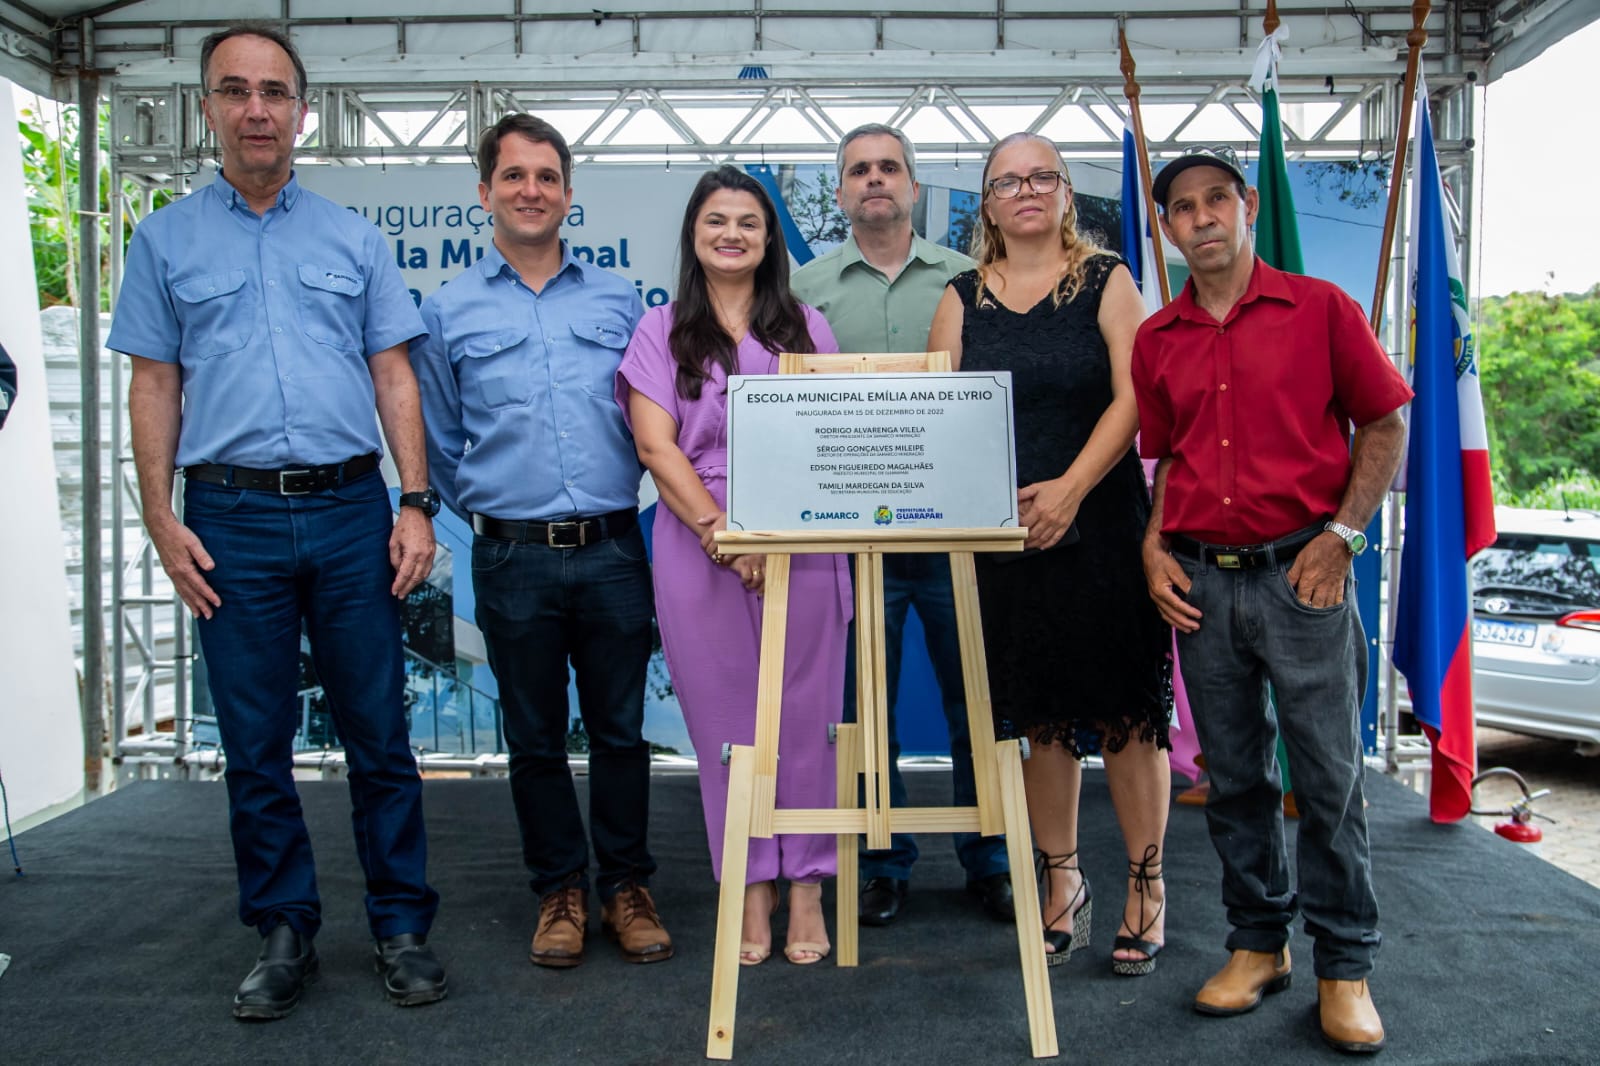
1266, 282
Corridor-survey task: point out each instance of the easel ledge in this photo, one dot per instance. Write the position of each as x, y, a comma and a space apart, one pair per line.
869, 541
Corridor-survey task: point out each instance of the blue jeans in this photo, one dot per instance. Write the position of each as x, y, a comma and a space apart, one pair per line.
923, 581
1255, 631
322, 560
539, 608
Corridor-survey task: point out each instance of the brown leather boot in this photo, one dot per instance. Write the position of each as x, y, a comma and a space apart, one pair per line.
1349, 1020
1238, 987
563, 916
630, 918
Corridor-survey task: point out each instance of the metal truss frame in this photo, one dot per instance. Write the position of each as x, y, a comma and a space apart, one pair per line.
160, 135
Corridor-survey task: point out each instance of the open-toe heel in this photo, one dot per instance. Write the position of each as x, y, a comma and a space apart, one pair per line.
753, 954
1081, 906
1143, 872
807, 952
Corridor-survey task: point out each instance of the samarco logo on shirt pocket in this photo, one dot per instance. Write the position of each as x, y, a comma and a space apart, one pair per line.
329, 313
607, 334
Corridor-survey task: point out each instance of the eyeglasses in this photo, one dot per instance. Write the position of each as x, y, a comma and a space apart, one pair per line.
239, 96
1044, 183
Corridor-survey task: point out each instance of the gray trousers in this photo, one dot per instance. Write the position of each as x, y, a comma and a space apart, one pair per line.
1255, 632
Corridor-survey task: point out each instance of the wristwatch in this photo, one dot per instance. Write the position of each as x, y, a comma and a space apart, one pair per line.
426, 501
1353, 539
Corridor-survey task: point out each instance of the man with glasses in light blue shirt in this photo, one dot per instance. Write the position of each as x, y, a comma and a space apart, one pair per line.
528, 444
265, 323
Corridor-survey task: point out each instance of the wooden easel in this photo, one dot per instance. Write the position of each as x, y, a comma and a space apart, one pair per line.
863, 748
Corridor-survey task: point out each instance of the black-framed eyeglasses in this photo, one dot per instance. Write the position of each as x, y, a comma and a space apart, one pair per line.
239, 96
1043, 183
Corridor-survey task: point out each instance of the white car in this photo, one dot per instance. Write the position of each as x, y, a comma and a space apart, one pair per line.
1536, 625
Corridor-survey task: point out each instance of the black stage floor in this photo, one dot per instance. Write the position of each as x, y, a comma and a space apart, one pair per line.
125, 948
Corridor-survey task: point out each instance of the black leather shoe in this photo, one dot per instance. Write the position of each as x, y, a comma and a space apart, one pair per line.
287, 964
412, 975
882, 900
994, 892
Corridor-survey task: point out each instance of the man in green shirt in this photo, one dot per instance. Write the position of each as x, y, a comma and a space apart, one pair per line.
878, 291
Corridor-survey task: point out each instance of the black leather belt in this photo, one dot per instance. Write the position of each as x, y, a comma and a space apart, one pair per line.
1244, 556
568, 533
290, 481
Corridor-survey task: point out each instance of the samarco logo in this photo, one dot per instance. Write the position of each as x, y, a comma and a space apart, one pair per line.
882, 516
829, 516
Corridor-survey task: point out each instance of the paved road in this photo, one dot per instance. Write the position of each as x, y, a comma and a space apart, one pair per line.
1573, 842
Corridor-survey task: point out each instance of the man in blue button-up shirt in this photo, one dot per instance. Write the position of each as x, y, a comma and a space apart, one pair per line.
528, 444
264, 324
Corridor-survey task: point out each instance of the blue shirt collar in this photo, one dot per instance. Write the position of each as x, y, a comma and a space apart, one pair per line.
493, 264
287, 196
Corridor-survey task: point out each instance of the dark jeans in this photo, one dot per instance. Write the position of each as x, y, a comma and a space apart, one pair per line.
923, 581
539, 608
1255, 631
323, 559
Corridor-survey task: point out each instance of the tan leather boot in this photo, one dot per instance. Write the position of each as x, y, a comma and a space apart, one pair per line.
1238, 987
563, 916
630, 918
1349, 1020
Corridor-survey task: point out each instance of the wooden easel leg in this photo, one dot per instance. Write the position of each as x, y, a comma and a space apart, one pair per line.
769, 693
847, 743
872, 696
1030, 942
730, 903
975, 679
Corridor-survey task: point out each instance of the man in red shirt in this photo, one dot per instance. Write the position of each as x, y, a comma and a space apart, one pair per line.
1248, 384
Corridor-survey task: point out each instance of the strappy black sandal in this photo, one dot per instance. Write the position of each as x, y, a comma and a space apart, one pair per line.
1143, 872
1062, 942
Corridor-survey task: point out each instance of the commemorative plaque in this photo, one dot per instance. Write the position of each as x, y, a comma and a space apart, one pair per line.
871, 452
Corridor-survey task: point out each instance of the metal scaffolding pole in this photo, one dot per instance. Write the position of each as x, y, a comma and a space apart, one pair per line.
94, 635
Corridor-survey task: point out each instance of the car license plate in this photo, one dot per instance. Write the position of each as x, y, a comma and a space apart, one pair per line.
1518, 633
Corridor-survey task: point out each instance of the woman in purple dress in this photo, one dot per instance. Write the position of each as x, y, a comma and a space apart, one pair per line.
732, 315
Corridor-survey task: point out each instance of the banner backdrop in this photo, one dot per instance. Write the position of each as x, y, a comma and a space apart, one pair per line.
626, 218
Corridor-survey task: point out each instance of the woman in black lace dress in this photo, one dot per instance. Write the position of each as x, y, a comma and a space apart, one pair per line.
1077, 653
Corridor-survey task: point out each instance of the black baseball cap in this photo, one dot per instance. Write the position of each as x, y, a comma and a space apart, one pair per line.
1200, 155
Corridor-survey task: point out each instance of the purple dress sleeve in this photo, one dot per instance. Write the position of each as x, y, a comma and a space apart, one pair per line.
648, 367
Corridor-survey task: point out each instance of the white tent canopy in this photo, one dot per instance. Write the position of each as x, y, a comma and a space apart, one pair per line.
715, 80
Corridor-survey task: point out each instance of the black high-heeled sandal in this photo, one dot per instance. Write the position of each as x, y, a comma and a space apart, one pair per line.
1142, 875
1062, 942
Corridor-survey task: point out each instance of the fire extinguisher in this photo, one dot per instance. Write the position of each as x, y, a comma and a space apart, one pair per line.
1520, 828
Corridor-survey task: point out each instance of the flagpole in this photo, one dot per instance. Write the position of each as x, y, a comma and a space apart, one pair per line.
1414, 41
1130, 89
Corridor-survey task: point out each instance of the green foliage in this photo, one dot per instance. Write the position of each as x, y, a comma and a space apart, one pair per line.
50, 176
1571, 489
1539, 365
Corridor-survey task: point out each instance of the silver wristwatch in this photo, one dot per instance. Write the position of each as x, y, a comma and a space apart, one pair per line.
1353, 539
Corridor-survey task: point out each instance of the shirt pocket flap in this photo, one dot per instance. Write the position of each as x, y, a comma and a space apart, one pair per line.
343, 282
608, 334
198, 290
484, 345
